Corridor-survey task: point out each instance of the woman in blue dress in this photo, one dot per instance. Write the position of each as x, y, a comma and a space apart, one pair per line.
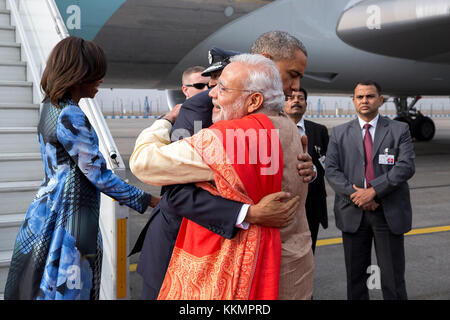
58, 251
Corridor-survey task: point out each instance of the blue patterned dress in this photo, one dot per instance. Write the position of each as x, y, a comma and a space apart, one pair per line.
58, 251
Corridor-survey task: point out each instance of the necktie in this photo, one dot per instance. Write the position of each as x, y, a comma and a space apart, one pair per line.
370, 174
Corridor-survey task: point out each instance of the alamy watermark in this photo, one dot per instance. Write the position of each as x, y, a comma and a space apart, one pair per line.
374, 280
73, 278
374, 19
74, 20
248, 146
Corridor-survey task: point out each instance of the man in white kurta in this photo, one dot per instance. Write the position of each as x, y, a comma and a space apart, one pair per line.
156, 161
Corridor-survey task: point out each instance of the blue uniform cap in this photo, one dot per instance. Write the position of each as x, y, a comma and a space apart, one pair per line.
218, 59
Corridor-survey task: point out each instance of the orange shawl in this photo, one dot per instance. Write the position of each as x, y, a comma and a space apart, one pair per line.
205, 265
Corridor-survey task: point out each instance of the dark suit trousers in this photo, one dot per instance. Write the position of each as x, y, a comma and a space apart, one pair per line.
390, 253
314, 229
316, 209
148, 292
313, 223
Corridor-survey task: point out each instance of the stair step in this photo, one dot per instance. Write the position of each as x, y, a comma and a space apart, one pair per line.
11, 220
5, 17
19, 106
5, 261
10, 52
21, 167
18, 130
20, 160
17, 196
19, 139
7, 34
9, 228
16, 91
5, 258
13, 71
18, 115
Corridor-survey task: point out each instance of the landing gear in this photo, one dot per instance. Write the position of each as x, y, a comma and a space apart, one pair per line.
422, 128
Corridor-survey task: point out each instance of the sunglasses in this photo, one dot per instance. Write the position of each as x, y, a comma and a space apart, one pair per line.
198, 86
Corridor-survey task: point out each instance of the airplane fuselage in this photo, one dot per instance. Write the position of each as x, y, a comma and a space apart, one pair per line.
150, 43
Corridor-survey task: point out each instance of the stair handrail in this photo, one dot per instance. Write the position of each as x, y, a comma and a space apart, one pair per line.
59, 23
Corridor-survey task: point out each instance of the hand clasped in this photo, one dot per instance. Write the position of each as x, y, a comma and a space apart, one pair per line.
364, 198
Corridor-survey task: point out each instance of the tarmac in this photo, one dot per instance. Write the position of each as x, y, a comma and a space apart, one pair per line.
427, 246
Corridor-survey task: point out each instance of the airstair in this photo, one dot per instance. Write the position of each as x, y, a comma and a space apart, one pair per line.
29, 29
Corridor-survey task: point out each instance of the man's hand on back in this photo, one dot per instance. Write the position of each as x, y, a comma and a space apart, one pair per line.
306, 166
173, 114
274, 210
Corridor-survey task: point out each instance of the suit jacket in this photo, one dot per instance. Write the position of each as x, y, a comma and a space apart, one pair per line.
345, 166
217, 214
316, 202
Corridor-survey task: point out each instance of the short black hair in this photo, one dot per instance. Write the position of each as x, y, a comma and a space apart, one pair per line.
369, 83
278, 45
304, 92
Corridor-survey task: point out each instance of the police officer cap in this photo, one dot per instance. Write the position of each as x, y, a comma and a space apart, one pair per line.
218, 59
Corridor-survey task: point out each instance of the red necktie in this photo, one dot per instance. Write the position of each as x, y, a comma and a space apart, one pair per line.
370, 174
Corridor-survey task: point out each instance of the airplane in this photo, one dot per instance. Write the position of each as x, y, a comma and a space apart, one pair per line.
401, 44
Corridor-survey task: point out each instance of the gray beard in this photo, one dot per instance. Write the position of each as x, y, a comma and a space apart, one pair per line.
235, 111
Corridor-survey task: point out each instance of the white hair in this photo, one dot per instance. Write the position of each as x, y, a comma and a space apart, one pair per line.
263, 77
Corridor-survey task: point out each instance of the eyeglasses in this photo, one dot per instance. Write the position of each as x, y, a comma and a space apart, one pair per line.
198, 86
223, 89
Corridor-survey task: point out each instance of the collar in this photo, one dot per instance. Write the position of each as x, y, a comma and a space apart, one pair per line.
301, 123
373, 123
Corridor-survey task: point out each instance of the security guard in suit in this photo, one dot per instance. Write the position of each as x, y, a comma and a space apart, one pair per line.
369, 161
316, 202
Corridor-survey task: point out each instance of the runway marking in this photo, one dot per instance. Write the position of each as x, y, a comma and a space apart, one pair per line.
332, 241
428, 230
328, 242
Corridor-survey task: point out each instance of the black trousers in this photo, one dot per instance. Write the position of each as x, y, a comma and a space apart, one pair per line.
390, 253
148, 292
314, 229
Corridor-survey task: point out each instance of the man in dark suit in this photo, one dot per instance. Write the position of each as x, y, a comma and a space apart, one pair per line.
316, 202
368, 163
218, 215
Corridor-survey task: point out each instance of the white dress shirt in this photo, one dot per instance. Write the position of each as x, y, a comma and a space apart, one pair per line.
301, 127
302, 130
372, 129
